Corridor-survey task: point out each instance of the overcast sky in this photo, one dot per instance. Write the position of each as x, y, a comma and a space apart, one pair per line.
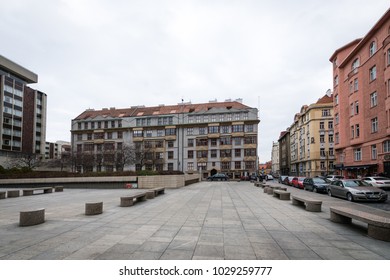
108, 53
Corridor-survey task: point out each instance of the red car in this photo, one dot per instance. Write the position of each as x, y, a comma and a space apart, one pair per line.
298, 182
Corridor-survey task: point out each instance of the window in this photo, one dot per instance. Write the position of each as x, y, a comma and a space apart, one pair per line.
352, 132
372, 48
201, 142
190, 142
330, 138
225, 165
386, 146
237, 141
213, 129
388, 57
373, 99
336, 80
357, 154
249, 128
374, 125
322, 138
250, 140
148, 133
225, 153
238, 128
225, 129
372, 73
170, 166
119, 134
213, 142
330, 125
190, 166
336, 99
322, 152
352, 109
337, 138
160, 132
190, 131
201, 154
356, 85
237, 152
249, 152
336, 118
170, 144
355, 65
326, 112
202, 165
225, 140
136, 133
374, 152
322, 125
213, 153
237, 165
356, 107
170, 131
170, 155
190, 154
357, 130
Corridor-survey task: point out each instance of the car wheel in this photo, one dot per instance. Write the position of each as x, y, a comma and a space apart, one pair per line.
349, 197
315, 189
330, 193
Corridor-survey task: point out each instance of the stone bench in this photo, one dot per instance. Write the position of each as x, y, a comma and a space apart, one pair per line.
378, 221
32, 191
58, 188
2, 195
311, 205
93, 208
13, 193
129, 200
154, 192
31, 218
282, 195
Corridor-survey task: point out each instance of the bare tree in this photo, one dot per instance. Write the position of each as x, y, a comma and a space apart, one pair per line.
26, 160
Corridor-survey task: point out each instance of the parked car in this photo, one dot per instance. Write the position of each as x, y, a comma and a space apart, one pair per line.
334, 177
244, 178
218, 177
379, 182
253, 177
298, 182
315, 184
282, 178
288, 180
269, 177
356, 190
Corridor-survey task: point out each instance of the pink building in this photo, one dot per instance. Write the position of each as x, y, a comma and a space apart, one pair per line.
361, 80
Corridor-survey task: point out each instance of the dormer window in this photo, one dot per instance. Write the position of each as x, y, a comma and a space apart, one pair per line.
372, 48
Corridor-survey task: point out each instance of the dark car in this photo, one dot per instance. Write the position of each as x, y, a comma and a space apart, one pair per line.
315, 184
356, 190
218, 177
282, 179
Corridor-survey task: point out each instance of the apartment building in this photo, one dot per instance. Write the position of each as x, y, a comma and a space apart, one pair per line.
23, 112
208, 138
284, 152
361, 81
275, 158
308, 145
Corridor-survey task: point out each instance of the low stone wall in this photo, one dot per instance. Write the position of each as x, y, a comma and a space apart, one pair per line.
118, 182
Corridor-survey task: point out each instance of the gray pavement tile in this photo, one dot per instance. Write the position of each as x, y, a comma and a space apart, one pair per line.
363, 255
266, 251
145, 255
298, 254
209, 251
177, 255
239, 252
153, 246
182, 244
331, 253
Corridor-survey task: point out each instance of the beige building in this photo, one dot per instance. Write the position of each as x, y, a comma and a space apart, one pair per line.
207, 138
312, 139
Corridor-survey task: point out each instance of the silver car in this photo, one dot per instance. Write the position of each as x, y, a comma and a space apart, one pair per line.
376, 181
356, 190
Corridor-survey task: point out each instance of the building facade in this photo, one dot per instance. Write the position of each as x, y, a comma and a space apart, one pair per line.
284, 152
312, 140
23, 113
275, 158
208, 138
361, 81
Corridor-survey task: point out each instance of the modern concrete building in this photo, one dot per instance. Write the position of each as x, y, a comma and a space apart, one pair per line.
23, 112
209, 138
361, 76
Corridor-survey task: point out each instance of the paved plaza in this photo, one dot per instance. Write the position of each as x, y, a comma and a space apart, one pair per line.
203, 221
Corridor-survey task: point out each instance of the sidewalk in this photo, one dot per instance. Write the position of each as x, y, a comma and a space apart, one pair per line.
203, 221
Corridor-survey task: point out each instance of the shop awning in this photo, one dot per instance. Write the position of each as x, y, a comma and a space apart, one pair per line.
365, 166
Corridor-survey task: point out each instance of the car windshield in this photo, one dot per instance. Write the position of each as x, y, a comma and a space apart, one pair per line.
319, 181
301, 179
355, 183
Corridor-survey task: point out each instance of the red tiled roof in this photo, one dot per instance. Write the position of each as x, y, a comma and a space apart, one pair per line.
159, 110
325, 99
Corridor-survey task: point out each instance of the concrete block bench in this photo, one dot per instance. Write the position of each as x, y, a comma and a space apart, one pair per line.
93, 208
282, 195
154, 192
378, 220
31, 218
58, 188
2, 195
32, 191
310, 204
258, 184
13, 193
129, 200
